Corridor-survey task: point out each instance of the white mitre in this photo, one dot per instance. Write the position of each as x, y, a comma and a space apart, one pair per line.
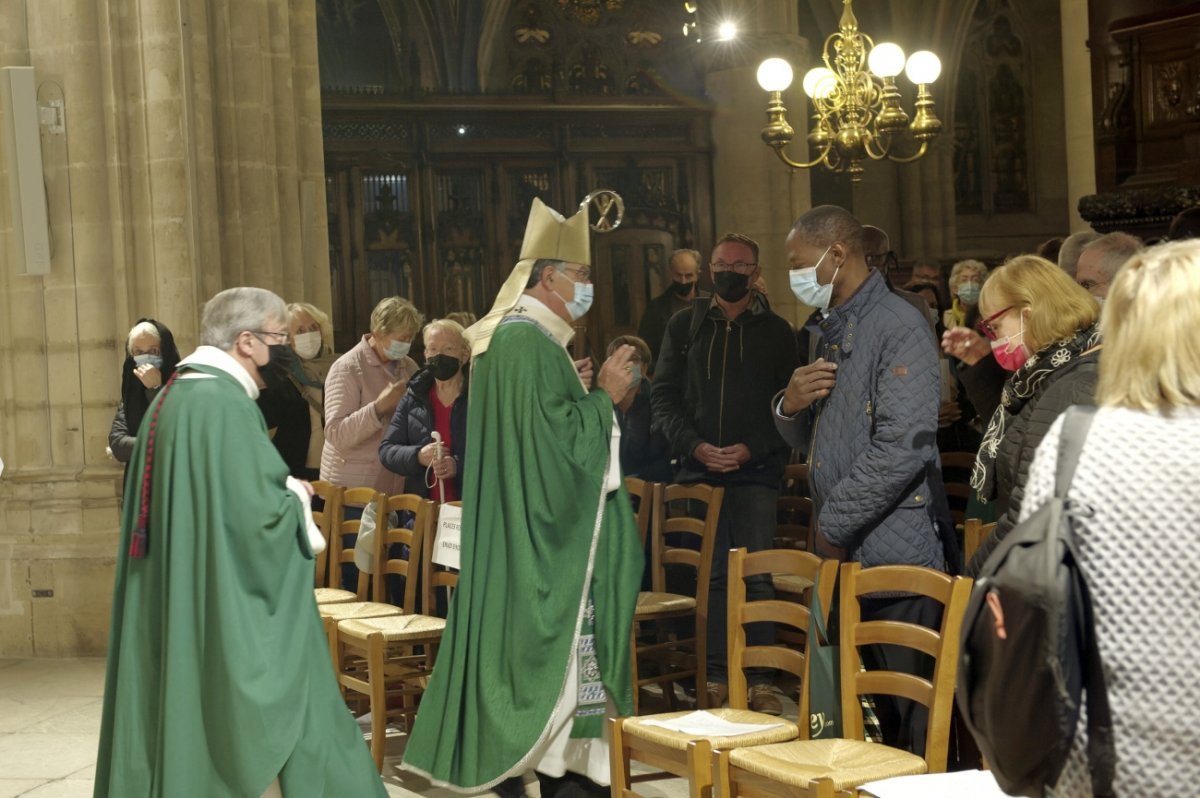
547, 235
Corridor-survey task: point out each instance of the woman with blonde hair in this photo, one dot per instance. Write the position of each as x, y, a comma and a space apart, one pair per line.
362, 390
966, 281
1041, 329
1137, 478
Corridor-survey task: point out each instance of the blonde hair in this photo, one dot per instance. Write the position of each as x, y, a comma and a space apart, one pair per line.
140, 329
450, 326
1151, 354
959, 272
395, 314
1058, 308
317, 315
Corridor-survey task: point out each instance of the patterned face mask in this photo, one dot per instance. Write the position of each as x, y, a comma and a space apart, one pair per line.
1011, 353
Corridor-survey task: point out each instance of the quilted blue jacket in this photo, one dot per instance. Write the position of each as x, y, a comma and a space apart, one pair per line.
872, 442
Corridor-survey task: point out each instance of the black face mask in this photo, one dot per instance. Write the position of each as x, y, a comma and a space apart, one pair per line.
731, 286
682, 289
443, 367
281, 355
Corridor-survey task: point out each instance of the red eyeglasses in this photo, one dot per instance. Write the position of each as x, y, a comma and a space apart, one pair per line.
985, 325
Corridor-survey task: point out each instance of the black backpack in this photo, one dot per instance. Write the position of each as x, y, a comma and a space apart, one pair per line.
1021, 696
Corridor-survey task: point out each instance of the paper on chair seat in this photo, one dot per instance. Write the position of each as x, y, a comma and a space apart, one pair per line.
706, 724
975, 783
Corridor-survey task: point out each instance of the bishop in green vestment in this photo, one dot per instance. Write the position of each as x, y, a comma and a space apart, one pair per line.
536, 648
219, 677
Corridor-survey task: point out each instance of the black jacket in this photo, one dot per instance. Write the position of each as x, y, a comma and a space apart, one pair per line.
1071, 384
645, 452
653, 325
412, 428
716, 387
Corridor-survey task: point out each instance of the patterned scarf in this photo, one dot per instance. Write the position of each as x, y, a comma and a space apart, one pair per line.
1023, 385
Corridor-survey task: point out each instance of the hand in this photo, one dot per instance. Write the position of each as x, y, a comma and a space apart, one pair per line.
149, 375
584, 369
721, 460
445, 469
616, 376
808, 384
949, 413
307, 486
427, 453
390, 397
965, 344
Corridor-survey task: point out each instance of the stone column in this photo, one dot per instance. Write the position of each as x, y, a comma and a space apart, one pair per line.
188, 141
1077, 109
754, 192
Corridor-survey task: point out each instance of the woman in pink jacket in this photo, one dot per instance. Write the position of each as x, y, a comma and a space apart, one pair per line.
362, 390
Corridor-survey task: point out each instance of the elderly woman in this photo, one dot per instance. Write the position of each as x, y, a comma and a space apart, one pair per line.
362, 390
436, 402
644, 453
966, 281
1137, 476
1041, 331
150, 360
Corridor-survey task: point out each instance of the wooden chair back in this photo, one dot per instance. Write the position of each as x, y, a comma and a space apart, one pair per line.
331, 498
822, 573
940, 644
794, 523
436, 577
974, 533
795, 481
340, 526
643, 495
675, 517
418, 510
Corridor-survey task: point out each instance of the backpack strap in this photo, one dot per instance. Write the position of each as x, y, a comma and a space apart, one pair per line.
1101, 751
1076, 421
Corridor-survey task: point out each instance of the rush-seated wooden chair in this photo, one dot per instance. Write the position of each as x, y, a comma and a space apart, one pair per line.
331, 497
643, 494
438, 582
826, 768
956, 476
974, 533
340, 554
688, 755
674, 658
392, 655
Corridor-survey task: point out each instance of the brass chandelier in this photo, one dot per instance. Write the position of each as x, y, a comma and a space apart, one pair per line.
856, 104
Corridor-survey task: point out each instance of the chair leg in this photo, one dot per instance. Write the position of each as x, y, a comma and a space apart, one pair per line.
376, 647
633, 670
618, 756
720, 776
699, 765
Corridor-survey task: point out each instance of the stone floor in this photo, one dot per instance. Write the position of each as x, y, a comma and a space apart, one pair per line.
50, 729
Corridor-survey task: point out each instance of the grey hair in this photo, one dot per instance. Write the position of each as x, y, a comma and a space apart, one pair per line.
237, 310
539, 268
1114, 249
1072, 247
139, 329
694, 253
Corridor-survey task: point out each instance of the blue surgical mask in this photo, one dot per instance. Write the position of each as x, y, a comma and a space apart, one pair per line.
807, 289
396, 349
635, 373
581, 303
968, 293
150, 360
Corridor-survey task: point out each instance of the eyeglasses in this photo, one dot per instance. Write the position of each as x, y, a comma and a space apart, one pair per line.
739, 266
585, 275
1088, 285
279, 336
985, 325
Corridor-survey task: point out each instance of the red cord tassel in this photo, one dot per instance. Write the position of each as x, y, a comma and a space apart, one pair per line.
139, 543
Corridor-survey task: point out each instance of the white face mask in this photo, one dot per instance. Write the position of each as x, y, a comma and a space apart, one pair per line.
308, 345
395, 350
807, 289
581, 303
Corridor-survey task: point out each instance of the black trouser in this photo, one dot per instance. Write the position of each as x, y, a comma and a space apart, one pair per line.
748, 519
902, 720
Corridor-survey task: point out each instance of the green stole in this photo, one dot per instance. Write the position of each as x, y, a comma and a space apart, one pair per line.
219, 678
534, 548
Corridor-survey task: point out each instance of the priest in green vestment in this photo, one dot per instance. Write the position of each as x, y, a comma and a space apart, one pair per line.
536, 649
219, 677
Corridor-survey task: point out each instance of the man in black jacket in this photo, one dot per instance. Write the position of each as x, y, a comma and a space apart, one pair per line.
684, 270
721, 363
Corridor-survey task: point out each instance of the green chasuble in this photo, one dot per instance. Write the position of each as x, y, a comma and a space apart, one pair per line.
219, 677
540, 534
